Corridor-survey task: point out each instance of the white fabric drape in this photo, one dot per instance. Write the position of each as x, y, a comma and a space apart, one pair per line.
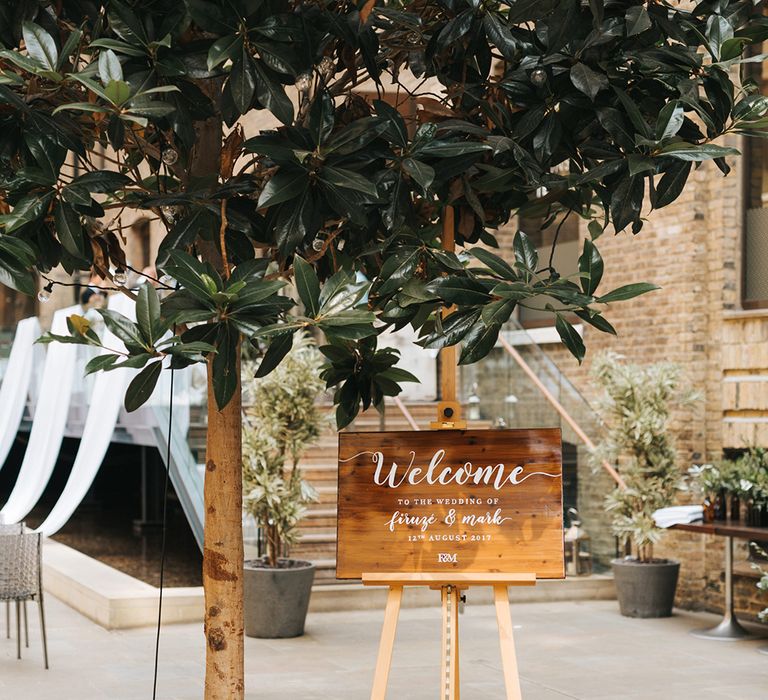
16, 383
104, 408
48, 425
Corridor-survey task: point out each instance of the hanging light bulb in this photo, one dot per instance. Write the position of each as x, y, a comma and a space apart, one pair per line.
119, 278
538, 76
44, 294
317, 244
304, 82
326, 65
170, 155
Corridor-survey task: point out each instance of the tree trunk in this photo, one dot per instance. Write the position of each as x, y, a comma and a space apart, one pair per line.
223, 548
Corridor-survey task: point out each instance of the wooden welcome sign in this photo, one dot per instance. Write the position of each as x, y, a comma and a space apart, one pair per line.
471, 501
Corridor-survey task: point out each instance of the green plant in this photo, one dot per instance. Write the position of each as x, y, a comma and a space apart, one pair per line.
635, 408
281, 421
753, 475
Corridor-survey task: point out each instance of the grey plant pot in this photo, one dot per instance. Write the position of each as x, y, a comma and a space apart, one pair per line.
645, 589
276, 600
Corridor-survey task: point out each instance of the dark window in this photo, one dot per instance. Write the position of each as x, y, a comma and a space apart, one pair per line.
755, 238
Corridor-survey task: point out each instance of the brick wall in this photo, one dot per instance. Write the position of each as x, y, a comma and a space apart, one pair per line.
692, 250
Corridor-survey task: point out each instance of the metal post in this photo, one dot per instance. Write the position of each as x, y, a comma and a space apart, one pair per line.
729, 629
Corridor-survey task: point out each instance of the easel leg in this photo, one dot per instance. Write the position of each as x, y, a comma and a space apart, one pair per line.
507, 641
450, 650
391, 613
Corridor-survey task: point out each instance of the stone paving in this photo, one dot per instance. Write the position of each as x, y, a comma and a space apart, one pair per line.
583, 650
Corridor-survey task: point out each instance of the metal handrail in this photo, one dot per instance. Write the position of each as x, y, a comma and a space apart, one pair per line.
406, 413
549, 396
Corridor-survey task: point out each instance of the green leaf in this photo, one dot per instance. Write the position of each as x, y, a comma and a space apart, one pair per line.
397, 268
28, 209
626, 201
354, 137
348, 180
570, 337
142, 386
480, 341
123, 328
272, 95
223, 49
103, 181
596, 320
184, 233
285, 184
628, 291
148, 314
118, 92
588, 81
70, 230
101, 362
308, 285
695, 152
638, 20
591, 266
449, 149
494, 263
498, 312
40, 45
293, 222
278, 348
525, 252
119, 46
421, 173
669, 121
461, 290
109, 67
242, 81
189, 271
671, 184
501, 36
225, 364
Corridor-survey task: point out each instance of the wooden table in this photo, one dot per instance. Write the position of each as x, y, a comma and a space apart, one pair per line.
729, 629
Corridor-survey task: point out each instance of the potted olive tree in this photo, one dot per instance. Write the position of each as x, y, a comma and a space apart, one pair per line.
281, 421
635, 408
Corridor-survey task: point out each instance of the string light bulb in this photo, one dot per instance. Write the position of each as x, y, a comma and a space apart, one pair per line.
538, 76
44, 294
304, 82
170, 156
326, 65
119, 278
317, 244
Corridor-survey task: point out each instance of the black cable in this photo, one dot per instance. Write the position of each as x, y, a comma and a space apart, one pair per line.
164, 531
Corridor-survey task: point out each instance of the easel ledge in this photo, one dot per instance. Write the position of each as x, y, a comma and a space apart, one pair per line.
439, 579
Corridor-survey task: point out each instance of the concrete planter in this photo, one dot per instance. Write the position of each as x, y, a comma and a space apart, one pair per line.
645, 589
276, 600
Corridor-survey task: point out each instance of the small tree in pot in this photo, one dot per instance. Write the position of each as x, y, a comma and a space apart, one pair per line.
281, 421
636, 410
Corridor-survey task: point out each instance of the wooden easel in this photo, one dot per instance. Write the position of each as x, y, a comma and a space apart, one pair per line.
450, 584
450, 592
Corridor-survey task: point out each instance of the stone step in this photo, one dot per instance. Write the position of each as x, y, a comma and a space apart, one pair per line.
326, 494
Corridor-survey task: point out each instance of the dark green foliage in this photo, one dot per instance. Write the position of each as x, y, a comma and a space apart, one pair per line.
546, 108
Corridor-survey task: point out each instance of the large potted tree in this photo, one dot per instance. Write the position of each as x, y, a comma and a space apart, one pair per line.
281, 420
635, 408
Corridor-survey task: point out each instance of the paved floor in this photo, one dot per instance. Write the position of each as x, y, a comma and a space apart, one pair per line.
582, 650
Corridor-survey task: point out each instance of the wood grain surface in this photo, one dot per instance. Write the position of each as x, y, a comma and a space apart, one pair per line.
450, 500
